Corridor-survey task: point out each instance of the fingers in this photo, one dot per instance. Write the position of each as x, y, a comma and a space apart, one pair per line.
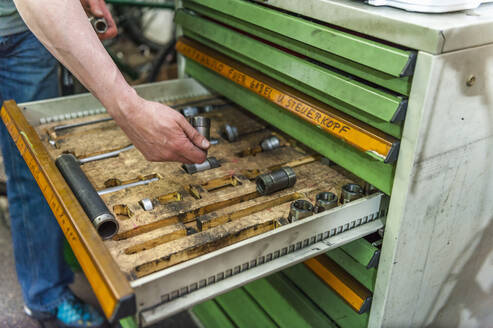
197, 139
96, 7
112, 29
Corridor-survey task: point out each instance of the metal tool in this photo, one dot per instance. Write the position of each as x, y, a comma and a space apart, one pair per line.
214, 141
189, 111
270, 143
202, 125
209, 163
300, 209
230, 132
128, 185
75, 125
269, 183
110, 154
100, 216
350, 192
325, 201
99, 24
369, 188
147, 204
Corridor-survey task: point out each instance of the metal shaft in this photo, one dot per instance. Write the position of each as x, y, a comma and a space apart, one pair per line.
75, 125
269, 183
128, 185
105, 155
100, 216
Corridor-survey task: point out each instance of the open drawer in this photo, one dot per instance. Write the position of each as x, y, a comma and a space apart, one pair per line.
187, 249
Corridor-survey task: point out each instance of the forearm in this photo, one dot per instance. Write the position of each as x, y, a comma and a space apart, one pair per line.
62, 26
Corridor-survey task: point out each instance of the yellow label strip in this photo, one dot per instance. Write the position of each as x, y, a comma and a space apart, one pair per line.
353, 132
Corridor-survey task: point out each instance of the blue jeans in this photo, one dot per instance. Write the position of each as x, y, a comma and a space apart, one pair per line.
28, 72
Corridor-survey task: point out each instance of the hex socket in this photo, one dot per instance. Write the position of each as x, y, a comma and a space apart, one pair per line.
269, 183
325, 201
202, 125
100, 216
270, 143
350, 192
209, 163
299, 210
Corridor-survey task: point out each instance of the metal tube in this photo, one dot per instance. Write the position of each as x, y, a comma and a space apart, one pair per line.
202, 125
100, 216
99, 24
300, 209
128, 185
269, 183
105, 155
351, 192
325, 201
75, 125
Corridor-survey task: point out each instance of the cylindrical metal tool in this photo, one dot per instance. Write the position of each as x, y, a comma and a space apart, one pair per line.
269, 183
325, 201
209, 163
99, 24
350, 192
202, 125
189, 111
93, 205
230, 132
300, 209
270, 143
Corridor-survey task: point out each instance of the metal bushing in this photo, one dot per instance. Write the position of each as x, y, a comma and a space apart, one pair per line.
269, 183
325, 201
99, 24
270, 143
147, 204
350, 192
209, 163
300, 209
230, 132
202, 125
189, 111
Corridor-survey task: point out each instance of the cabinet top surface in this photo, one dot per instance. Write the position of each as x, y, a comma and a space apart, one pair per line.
433, 33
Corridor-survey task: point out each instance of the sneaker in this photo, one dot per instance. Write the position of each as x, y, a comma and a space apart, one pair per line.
71, 313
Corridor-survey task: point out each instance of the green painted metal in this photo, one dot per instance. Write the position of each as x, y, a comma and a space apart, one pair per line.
377, 173
362, 251
146, 3
285, 304
373, 101
392, 129
243, 310
210, 315
365, 276
400, 85
325, 298
128, 322
388, 59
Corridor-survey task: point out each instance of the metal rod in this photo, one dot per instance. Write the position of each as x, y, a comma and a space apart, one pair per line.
75, 125
125, 186
105, 155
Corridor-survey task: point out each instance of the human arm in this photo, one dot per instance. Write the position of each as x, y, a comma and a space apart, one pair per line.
158, 131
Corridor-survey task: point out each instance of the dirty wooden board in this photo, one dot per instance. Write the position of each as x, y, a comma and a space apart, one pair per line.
174, 245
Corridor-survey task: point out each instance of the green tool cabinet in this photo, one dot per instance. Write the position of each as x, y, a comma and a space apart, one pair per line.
423, 79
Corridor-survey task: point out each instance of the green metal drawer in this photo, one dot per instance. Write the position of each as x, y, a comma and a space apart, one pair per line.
379, 56
294, 70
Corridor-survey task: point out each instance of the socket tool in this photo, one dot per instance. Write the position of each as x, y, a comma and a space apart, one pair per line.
99, 24
269, 183
350, 192
202, 125
270, 143
325, 201
100, 216
299, 210
230, 132
209, 163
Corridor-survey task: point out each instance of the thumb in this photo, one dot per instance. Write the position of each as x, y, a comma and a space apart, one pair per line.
193, 134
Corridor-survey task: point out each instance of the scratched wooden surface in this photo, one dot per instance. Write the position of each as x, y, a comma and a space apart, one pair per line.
165, 241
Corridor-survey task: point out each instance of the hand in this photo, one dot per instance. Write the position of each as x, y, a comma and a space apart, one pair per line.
161, 133
98, 8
